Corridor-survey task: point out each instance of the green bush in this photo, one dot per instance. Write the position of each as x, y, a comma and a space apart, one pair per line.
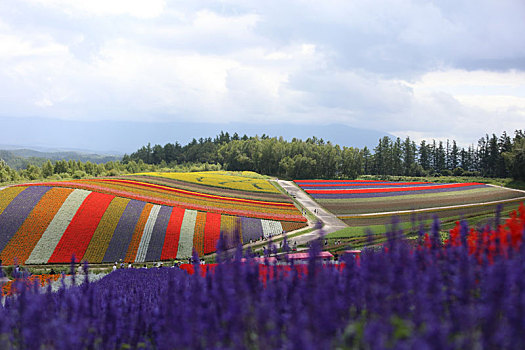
79, 174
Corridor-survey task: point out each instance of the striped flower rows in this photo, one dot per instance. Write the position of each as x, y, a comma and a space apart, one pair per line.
347, 189
44, 224
168, 196
361, 204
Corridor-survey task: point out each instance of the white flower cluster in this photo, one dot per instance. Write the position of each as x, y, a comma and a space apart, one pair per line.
271, 228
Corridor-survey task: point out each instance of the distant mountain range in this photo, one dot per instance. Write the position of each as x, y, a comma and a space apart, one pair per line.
119, 137
19, 158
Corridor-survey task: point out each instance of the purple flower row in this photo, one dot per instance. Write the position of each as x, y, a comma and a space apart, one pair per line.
124, 232
251, 229
390, 194
17, 211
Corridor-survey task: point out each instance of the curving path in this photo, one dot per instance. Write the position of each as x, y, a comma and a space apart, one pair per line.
329, 221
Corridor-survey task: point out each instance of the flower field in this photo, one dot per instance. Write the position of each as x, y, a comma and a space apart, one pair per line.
170, 196
40, 280
465, 293
361, 203
169, 180
106, 220
244, 181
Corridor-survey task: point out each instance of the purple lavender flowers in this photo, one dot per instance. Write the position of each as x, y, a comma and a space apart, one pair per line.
396, 297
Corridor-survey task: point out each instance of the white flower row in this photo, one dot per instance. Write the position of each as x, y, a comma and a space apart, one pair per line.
271, 228
54, 232
146, 236
187, 231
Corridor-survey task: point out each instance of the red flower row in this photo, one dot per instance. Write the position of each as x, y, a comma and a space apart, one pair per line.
392, 189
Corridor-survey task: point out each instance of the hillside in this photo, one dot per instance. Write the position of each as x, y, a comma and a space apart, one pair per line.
139, 218
21, 158
369, 206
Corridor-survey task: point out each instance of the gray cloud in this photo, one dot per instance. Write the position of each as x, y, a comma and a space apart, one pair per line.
362, 64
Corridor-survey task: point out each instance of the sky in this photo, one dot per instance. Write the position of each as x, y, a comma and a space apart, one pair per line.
115, 74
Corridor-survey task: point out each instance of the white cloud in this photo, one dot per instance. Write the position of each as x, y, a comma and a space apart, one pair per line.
480, 101
404, 67
15, 47
137, 8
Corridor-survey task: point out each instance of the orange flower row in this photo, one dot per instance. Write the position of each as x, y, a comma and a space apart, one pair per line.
42, 280
131, 254
198, 237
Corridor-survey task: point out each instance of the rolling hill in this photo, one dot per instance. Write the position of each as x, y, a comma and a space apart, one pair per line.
138, 218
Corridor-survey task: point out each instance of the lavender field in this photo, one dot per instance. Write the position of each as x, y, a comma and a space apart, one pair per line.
466, 293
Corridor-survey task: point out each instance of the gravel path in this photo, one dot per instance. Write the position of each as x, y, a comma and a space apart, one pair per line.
330, 222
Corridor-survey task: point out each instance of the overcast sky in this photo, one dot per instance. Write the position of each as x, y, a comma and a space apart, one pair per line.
425, 69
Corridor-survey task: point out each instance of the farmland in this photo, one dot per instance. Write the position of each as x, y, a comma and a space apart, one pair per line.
366, 204
132, 219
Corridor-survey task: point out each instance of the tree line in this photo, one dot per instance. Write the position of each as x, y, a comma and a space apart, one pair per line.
313, 158
71, 169
493, 156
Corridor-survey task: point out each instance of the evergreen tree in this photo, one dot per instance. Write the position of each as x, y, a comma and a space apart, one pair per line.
440, 158
505, 146
47, 169
397, 158
367, 157
424, 155
61, 167
515, 159
409, 157
454, 156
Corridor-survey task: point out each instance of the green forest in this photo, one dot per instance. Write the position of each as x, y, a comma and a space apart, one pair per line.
492, 157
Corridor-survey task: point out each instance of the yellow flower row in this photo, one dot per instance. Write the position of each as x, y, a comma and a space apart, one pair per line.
243, 181
100, 241
8, 194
